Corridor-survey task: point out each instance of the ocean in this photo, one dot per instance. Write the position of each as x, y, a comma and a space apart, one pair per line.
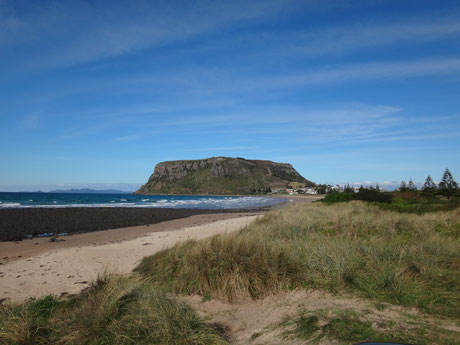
61, 200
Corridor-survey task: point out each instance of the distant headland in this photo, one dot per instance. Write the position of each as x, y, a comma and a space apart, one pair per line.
221, 176
89, 191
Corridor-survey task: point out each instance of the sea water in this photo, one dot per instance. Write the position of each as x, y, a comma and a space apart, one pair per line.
29, 200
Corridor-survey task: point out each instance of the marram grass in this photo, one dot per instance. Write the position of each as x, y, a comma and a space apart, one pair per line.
406, 259
115, 310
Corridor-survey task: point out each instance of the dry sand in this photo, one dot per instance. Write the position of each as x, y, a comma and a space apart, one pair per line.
256, 322
28, 269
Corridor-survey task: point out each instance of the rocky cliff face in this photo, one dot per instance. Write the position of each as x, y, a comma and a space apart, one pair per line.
220, 175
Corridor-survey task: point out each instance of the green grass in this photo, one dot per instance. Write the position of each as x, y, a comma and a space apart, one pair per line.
405, 259
348, 327
421, 205
404, 202
115, 310
306, 326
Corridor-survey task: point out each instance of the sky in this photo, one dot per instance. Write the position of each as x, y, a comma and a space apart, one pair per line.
95, 93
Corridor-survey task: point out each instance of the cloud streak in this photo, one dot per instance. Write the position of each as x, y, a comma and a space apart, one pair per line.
92, 31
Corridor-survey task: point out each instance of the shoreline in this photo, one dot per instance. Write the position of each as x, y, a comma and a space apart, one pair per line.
26, 248
66, 265
66, 268
17, 224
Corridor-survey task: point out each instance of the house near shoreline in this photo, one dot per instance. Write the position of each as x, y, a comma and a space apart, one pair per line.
293, 191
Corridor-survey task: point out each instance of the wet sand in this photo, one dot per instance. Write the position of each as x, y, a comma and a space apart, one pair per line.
16, 224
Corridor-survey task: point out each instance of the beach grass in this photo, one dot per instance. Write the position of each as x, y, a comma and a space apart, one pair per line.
350, 327
114, 310
405, 259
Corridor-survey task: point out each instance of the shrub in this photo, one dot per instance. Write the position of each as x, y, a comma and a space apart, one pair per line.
337, 197
372, 195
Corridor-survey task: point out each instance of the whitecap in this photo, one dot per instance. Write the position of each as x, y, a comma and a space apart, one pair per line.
10, 205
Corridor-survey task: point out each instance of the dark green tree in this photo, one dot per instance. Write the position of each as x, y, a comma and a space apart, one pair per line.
448, 186
348, 189
403, 187
321, 189
377, 187
429, 185
411, 186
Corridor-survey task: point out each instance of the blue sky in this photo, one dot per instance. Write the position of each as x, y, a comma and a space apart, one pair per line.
95, 93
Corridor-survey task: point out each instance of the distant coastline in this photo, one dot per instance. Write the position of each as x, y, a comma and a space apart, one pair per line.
90, 191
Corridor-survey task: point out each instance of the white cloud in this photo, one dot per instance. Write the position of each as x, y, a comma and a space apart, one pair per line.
352, 37
88, 32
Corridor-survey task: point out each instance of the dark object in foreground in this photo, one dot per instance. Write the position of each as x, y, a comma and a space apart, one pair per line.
16, 224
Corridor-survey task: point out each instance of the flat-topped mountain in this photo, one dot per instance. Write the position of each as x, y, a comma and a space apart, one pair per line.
220, 175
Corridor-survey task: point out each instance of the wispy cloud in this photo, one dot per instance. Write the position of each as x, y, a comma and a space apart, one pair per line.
331, 125
224, 148
89, 33
201, 83
337, 39
357, 36
357, 72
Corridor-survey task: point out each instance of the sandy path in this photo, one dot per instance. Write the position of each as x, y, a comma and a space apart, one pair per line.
69, 270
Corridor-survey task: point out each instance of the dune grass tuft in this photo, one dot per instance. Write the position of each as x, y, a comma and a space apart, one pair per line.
115, 310
348, 327
406, 259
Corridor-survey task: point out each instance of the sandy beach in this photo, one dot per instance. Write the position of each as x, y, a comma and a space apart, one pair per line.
38, 267
67, 264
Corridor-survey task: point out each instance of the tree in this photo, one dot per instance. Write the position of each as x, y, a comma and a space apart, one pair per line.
403, 187
429, 186
448, 186
411, 186
348, 189
321, 189
377, 187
